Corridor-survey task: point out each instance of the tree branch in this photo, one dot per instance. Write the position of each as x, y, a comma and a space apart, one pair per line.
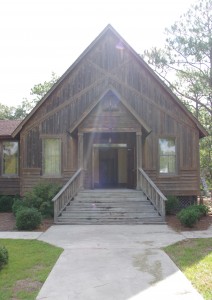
173, 87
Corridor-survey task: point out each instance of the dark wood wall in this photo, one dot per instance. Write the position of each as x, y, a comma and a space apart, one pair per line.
9, 185
105, 67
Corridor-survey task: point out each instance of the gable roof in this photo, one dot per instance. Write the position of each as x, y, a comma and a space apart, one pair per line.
7, 127
109, 28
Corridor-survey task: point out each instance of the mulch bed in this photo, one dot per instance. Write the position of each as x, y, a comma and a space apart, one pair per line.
203, 224
7, 223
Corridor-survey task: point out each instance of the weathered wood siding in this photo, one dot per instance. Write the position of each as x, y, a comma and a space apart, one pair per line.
102, 68
9, 185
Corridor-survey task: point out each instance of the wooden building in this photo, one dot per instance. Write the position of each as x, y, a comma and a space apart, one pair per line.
110, 115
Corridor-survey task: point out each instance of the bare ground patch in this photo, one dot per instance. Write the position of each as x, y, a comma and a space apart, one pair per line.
26, 285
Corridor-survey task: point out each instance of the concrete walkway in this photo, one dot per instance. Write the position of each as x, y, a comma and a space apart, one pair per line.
115, 262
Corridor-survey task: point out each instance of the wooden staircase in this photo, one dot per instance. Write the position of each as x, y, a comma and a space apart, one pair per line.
110, 206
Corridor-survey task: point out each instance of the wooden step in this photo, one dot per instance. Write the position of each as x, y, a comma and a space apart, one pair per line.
110, 221
120, 206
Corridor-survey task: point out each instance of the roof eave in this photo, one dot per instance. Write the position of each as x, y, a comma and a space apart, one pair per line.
6, 137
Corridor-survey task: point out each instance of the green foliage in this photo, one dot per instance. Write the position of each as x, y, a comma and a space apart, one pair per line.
202, 208
190, 215
41, 197
6, 112
34, 205
6, 203
172, 205
187, 55
3, 256
17, 205
28, 219
39, 90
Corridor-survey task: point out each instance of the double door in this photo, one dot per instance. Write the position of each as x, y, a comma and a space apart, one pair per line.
114, 168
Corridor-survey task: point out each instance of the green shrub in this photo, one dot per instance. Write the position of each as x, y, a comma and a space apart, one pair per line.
41, 197
17, 205
203, 209
28, 219
172, 205
6, 203
188, 216
3, 256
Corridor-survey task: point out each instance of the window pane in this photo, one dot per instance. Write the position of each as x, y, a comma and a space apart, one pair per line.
167, 146
167, 154
167, 164
52, 157
10, 158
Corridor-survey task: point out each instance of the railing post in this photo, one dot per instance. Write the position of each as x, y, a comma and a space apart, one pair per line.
55, 211
138, 158
80, 157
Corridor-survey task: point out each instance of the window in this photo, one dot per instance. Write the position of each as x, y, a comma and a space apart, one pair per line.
167, 153
52, 157
110, 102
10, 158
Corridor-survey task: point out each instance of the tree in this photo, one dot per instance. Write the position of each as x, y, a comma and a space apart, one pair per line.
40, 90
37, 92
187, 56
6, 112
185, 64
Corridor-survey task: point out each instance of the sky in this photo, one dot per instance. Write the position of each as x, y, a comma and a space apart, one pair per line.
38, 37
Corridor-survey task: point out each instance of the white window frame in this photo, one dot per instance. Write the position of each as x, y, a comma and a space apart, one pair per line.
169, 156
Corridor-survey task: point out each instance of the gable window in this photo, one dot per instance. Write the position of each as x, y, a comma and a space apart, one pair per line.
10, 158
52, 157
110, 102
167, 156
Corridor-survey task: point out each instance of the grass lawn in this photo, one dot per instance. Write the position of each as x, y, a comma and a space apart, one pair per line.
194, 258
30, 262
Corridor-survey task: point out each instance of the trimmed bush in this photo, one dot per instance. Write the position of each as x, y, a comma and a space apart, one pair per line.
41, 198
6, 203
17, 205
28, 219
172, 205
3, 256
190, 215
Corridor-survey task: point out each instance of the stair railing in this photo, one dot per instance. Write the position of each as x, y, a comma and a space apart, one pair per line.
152, 192
68, 191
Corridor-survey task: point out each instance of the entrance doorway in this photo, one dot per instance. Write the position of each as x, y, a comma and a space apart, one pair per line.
113, 166
108, 167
